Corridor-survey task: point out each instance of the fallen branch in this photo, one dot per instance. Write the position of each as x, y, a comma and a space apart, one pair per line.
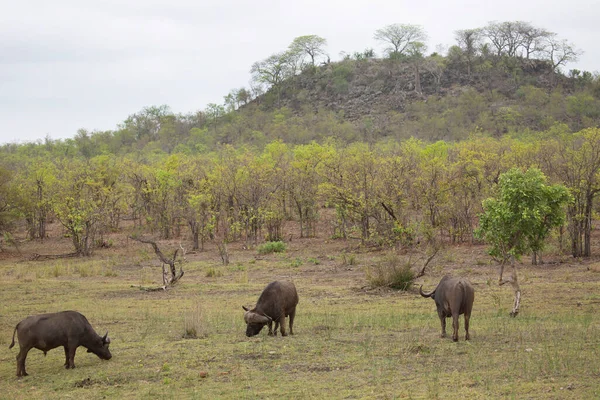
150, 289
43, 257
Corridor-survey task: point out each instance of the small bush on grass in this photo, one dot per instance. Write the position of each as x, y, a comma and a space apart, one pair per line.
213, 273
271, 247
391, 272
348, 259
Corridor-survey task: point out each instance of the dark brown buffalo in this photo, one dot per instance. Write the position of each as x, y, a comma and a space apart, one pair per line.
48, 331
277, 301
453, 296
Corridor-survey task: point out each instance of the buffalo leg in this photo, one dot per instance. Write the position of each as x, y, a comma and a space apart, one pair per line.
455, 327
21, 362
282, 326
467, 316
443, 322
71, 356
292, 315
270, 324
66, 357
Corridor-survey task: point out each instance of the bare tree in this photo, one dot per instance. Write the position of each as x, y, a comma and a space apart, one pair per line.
435, 65
534, 39
415, 54
506, 37
170, 276
400, 37
560, 51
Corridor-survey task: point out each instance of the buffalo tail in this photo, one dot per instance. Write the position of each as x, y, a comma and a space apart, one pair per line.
13, 338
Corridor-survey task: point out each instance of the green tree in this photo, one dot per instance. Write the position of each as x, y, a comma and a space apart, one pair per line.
399, 37
310, 45
7, 210
574, 159
520, 218
34, 190
82, 199
304, 184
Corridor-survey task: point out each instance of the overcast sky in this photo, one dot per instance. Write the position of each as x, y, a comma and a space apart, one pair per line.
71, 64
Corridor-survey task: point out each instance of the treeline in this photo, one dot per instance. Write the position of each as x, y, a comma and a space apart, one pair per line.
384, 194
157, 130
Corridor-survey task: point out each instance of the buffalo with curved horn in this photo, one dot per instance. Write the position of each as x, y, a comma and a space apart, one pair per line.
277, 301
453, 296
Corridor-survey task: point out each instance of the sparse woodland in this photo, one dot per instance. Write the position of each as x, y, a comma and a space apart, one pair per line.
398, 159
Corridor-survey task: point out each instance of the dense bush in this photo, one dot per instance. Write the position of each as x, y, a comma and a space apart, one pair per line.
391, 272
271, 247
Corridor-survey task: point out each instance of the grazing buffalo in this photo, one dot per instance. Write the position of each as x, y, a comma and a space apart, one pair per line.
48, 331
453, 296
277, 301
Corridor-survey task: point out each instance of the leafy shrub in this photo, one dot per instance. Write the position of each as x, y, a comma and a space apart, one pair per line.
297, 262
271, 247
391, 272
348, 259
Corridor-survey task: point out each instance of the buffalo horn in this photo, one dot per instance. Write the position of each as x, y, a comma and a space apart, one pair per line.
425, 294
253, 317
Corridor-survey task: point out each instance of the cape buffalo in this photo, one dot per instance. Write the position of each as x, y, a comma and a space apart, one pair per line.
453, 296
277, 301
48, 331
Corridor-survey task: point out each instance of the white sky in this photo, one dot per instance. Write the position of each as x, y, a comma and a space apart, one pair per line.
70, 64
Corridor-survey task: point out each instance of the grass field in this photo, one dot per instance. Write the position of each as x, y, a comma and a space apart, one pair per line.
350, 341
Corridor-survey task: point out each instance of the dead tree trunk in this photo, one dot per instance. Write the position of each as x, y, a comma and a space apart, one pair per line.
422, 271
170, 276
514, 283
223, 252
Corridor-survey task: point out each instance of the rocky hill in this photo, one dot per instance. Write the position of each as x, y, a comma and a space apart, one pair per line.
500, 95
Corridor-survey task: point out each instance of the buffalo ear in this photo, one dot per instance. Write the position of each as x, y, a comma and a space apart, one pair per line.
245, 309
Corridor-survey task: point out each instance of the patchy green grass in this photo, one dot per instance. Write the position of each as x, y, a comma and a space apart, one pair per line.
189, 342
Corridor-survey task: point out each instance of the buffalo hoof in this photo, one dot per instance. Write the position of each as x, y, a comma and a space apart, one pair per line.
455, 339
284, 334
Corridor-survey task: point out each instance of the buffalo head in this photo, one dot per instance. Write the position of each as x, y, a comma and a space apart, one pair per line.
100, 347
255, 321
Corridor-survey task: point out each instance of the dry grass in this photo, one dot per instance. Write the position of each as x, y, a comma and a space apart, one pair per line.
349, 343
